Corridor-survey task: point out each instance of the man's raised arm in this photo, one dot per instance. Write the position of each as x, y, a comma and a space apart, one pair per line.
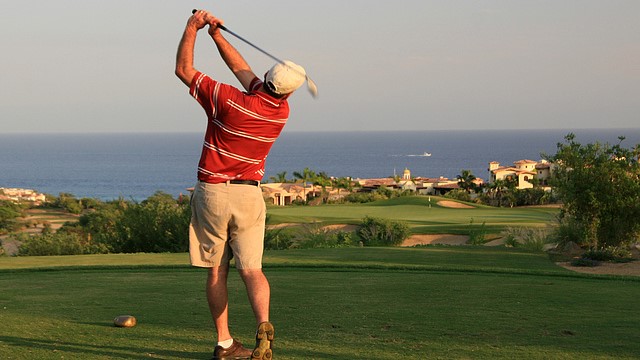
184, 59
230, 55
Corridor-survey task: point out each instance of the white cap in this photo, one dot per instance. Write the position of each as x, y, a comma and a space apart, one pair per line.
285, 78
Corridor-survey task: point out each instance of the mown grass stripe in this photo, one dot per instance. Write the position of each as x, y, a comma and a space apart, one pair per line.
336, 268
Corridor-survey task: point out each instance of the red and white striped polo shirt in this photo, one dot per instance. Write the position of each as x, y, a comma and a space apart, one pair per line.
241, 129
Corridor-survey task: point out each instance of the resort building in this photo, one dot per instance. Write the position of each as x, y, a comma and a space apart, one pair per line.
421, 185
523, 172
20, 195
281, 194
284, 193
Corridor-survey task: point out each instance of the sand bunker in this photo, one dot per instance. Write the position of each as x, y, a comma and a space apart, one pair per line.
454, 204
341, 227
435, 239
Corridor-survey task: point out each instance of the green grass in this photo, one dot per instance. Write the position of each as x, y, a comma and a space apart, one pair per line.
422, 215
364, 303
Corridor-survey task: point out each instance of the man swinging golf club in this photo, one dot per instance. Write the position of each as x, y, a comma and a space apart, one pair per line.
228, 211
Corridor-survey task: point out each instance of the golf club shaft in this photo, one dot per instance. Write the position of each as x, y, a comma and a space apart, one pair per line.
311, 85
222, 27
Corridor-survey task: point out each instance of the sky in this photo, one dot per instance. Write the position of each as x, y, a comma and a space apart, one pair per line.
407, 65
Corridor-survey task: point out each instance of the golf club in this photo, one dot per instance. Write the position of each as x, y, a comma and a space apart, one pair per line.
313, 89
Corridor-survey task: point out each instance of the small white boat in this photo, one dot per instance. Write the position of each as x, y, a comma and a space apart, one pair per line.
425, 154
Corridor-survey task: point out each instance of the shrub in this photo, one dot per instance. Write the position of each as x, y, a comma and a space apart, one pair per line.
458, 194
344, 238
534, 196
528, 238
599, 188
57, 244
585, 262
569, 231
9, 212
317, 236
277, 239
361, 198
614, 254
68, 202
477, 233
382, 232
158, 224
510, 240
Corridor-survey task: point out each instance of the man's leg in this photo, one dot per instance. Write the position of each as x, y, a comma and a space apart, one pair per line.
217, 298
258, 291
259, 296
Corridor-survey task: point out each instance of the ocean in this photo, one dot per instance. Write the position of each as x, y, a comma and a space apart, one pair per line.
136, 165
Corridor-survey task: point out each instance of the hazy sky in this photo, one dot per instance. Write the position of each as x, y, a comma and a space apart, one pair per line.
107, 66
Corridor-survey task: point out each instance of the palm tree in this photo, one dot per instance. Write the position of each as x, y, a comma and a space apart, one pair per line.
323, 180
465, 181
342, 183
307, 175
279, 178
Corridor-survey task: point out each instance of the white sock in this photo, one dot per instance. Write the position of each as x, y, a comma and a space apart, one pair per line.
226, 344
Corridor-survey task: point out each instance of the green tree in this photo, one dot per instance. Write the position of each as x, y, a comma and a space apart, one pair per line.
68, 202
307, 175
9, 212
466, 181
323, 180
279, 178
501, 192
157, 224
342, 183
599, 186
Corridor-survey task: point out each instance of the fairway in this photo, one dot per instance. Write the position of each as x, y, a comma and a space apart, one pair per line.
358, 303
422, 213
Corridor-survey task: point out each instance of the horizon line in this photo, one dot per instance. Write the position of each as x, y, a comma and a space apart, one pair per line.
318, 131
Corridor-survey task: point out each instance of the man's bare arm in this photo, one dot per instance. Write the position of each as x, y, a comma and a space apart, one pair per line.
230, 55
184, 59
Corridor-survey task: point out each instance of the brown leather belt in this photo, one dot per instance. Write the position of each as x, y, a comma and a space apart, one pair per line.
244, 182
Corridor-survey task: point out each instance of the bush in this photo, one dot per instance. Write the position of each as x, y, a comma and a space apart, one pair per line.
382, 232
277, 239
613, 254
569, 231
585, 262
532, 239
477, 233
361, 198
68, 202
317, 236
510, 240
158, 224
458, 194
9, 212
599, 188
534, 196
57, 244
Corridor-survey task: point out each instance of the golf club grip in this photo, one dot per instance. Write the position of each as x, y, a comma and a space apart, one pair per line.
220, 26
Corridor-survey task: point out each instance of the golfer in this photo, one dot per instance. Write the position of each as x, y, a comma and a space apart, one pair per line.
228, 216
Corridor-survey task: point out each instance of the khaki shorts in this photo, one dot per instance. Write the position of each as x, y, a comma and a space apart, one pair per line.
227, 221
